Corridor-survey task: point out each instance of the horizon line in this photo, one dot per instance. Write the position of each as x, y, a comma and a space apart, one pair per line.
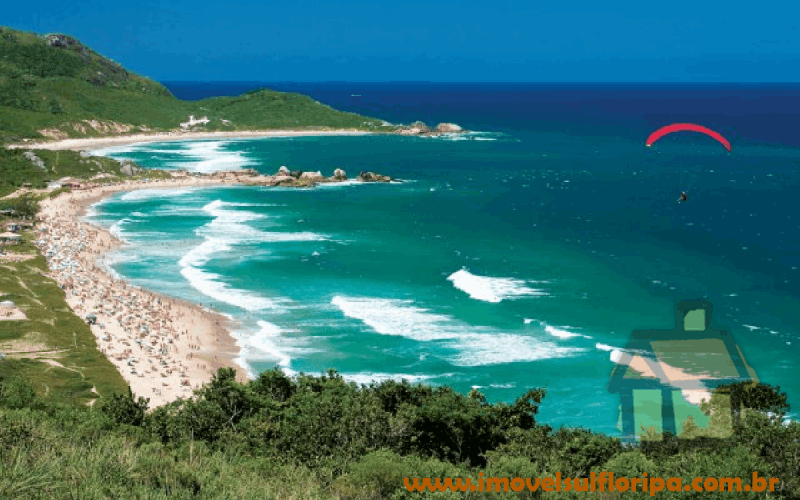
515, 82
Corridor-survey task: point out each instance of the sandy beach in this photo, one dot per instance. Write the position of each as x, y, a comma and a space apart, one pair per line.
90, 143
163, 347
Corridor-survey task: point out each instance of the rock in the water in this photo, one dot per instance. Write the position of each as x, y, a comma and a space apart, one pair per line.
312, 176
373, 177
339, 174
448, 127
283, 170
296, 173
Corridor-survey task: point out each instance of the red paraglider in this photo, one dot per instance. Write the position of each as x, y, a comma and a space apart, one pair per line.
679, 127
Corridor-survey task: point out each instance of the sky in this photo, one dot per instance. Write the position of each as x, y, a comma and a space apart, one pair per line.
445, 40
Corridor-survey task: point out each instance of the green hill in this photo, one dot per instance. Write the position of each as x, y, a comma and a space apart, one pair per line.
54, 86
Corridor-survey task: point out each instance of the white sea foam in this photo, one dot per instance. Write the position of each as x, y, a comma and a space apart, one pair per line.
500, 348
347, 183
616, 355
398, 317
147, 194
209, 156
462, 136
503, 386
199, 156
93, 210
365, 378
490, 289
208, 284
561, 332
271, 343
116, 228
263, 346
302, 236
751, 327
176, 211
221, 235
118, 152
454, 137
606, 347
475, 346
528, 320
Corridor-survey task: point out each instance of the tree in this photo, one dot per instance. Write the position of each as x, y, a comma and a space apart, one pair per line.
759, 397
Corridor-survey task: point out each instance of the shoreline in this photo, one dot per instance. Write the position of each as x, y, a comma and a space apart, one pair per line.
163, 347
90, 143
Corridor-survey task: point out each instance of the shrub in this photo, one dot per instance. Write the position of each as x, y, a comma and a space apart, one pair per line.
377, 475
579, 451
124, 409
629, 464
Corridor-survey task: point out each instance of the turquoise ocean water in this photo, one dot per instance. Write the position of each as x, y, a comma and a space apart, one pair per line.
509, 259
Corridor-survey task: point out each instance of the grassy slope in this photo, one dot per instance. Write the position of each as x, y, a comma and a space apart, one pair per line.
55, 82
51, 326
51, 323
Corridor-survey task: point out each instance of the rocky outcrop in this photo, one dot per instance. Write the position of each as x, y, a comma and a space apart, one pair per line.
312, 176
38, 162
57, 40
283, 170
416, 128
129, 168
244, 171
373, 177
421, 129
298, 178
283, 180
448, 127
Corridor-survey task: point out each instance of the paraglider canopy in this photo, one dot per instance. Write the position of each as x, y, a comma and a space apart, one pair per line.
691, 127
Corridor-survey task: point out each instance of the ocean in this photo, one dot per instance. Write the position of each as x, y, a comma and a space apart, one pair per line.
520, 255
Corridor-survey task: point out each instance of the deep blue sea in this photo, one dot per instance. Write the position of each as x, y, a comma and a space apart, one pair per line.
521, 255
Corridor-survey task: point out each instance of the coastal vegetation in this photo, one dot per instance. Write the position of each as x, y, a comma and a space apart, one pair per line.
321, 437
17, 170
56, 352
53, 86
